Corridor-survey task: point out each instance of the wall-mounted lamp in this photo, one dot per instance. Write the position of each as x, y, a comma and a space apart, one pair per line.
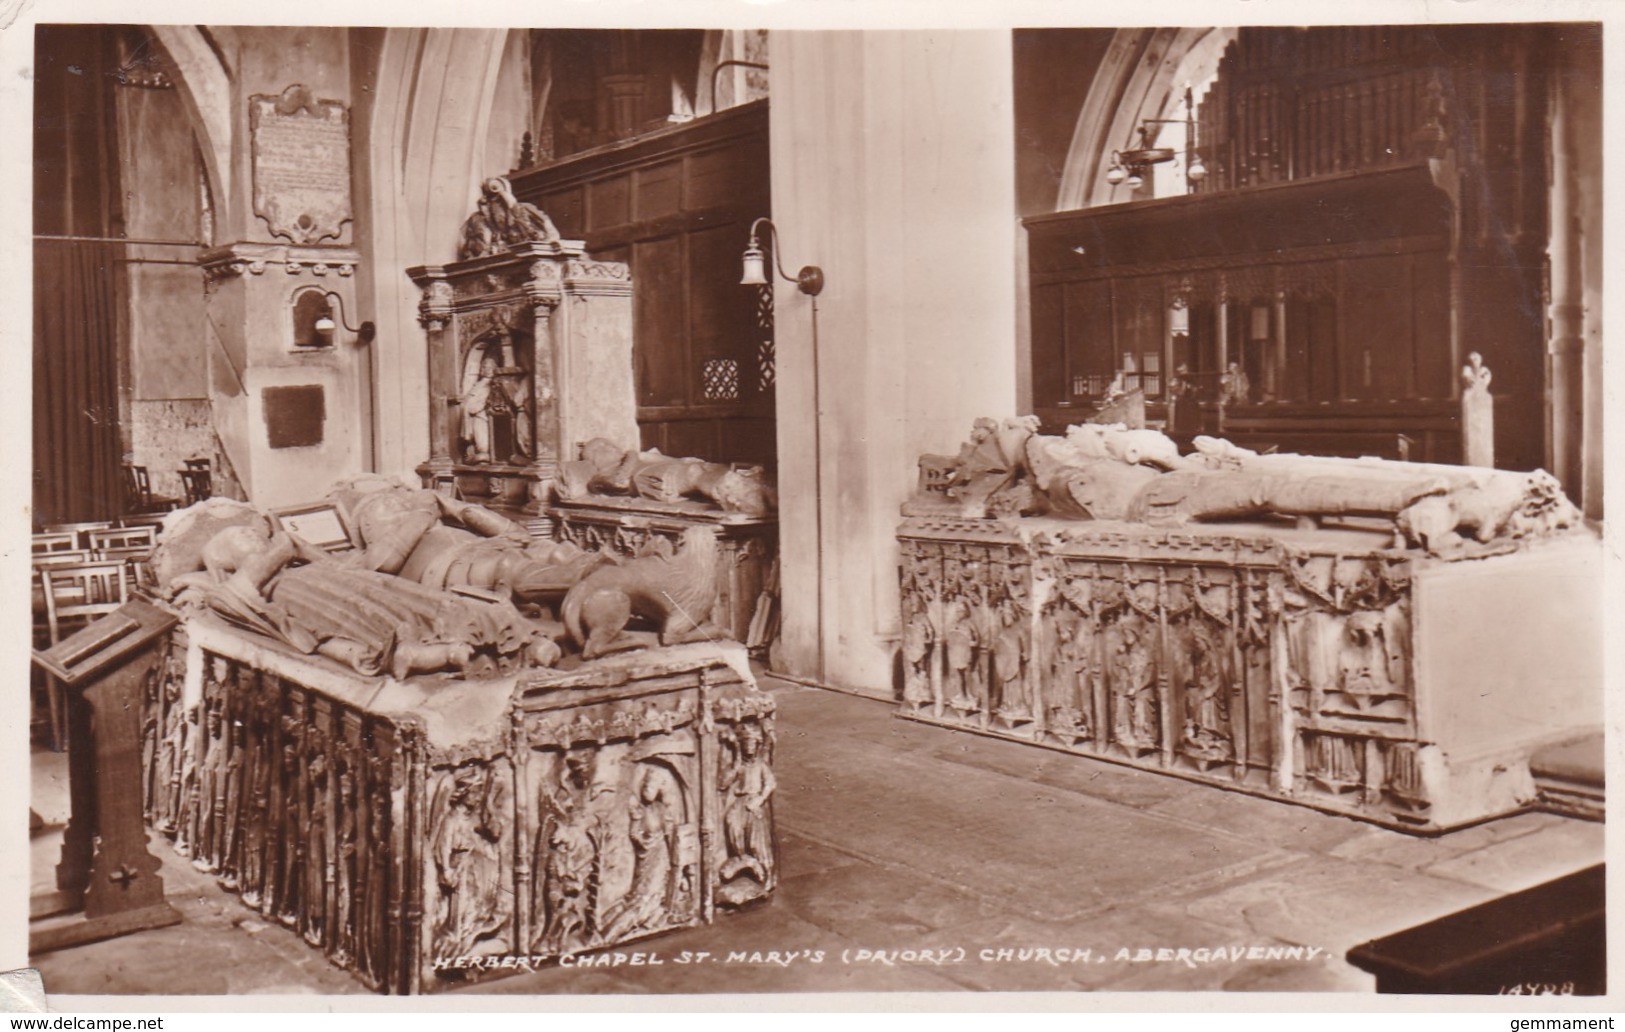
1131, 166
810, 280
325, 324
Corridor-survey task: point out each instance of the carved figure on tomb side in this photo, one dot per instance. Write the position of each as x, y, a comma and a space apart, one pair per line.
373, 906
1009, 664
210, 786
257, 799
1069, 700
290, 879
345, 857
472, 902
166, 806
747, 785
501, 220
959, 641
1135, 688
1207, 704
314, 895
1371, 655
189, 809
676, 592
569, 866
236, 774
652, 829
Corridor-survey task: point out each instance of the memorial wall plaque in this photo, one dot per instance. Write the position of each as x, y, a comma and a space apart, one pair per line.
294, 415
301, 164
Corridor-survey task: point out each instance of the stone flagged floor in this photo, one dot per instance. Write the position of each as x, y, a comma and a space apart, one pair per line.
922, 859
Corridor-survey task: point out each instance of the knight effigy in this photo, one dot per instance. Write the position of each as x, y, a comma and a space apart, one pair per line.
1389, 640
442, 749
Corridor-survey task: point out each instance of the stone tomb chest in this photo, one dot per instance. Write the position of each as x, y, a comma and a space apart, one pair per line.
1318, 666
429, 832
1376, 663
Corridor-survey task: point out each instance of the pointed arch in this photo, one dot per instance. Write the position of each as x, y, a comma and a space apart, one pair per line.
1144, 71
204, 84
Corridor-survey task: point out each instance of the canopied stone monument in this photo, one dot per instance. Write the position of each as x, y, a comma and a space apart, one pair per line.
530, 354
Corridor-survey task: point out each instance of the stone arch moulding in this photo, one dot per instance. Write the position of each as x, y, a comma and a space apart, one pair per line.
425, 140
205, 88
1143, 69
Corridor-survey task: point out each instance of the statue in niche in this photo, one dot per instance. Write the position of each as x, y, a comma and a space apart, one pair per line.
257, 798
167, 791
211, 802
1371, 655
345, 857
1207, 704
373, 906
501, 220
314, 891
747, 785
472, 902
290, 880
569, 868
916, 649
231, 850
959, 646
653, 833
1135, 689
607, 468
496, 405
192, 808
1009, 664
1070, 701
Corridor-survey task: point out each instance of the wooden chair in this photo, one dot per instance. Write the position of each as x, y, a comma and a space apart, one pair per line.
75, 594
46, 543
123, 538
199, 482
80, 531
138, 492
138, 570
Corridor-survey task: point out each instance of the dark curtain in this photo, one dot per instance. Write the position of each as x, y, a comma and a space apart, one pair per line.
76, 284
76, 439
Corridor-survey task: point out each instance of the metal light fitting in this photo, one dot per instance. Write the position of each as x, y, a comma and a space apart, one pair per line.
810, 280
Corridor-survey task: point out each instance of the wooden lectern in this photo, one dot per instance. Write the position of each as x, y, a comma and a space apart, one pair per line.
106, 874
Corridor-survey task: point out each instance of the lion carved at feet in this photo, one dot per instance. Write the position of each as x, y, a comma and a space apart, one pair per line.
674, 591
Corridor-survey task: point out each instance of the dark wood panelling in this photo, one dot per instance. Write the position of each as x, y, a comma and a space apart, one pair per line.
660, 321
677, 206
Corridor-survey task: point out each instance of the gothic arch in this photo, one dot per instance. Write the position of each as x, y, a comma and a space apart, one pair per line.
205, 88
1143, 74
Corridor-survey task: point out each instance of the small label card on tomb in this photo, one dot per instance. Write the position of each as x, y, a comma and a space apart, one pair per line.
301, 164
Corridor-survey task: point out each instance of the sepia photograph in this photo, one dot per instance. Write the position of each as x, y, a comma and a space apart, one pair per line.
581, 506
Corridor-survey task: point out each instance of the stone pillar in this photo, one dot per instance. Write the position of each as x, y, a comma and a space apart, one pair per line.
891, 170
434, 315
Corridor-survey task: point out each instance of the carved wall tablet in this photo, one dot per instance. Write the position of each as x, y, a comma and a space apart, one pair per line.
301, 164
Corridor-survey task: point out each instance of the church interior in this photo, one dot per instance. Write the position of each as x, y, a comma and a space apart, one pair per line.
544, 511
